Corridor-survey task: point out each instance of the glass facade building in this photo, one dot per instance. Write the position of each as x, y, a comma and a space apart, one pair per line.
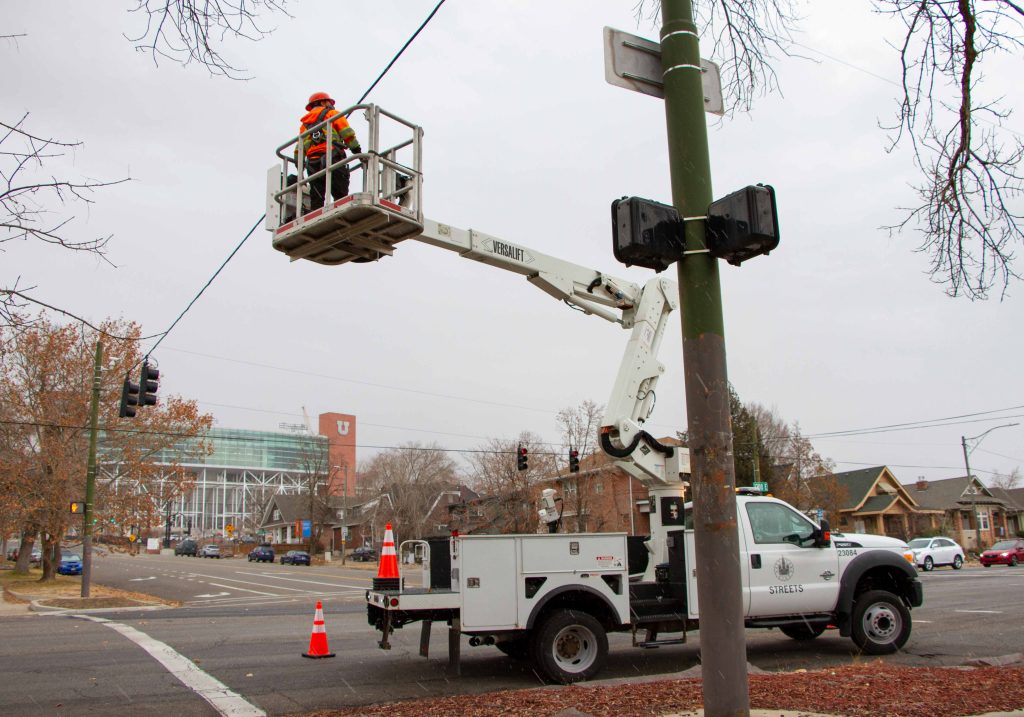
233, 479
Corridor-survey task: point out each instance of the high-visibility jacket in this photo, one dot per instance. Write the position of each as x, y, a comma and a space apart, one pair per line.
315, 143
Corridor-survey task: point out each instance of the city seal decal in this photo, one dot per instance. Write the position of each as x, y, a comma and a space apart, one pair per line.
784, 569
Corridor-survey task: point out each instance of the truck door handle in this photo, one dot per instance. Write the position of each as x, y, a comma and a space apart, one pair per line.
755, 561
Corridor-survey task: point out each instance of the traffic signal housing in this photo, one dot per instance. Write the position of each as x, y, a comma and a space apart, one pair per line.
129, 399
77, 507
743, 224
521, 459
574, 461
149, 384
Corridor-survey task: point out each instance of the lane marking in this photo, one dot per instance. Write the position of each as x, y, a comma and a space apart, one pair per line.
982, 612
212, 595
220, 697
244, 590
297, 580
249, 582
139, 580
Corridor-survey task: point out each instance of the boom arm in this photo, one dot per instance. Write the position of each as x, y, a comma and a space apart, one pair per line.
644, 310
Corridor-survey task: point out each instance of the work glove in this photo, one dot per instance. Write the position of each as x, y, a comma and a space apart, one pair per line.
356, 149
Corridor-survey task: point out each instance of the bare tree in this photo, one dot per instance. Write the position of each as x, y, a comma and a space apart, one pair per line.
508, 495
412, 477
316, 481
187, 31
184, 31
971, 167
578, 425
1006, 481
28, 196
972, 179
801, 476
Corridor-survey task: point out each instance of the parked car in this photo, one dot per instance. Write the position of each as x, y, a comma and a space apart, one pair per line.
187, 547
1005, 552
262, 554
70, 564
36, 558
209, 551
295, 557
929, 552
364, 555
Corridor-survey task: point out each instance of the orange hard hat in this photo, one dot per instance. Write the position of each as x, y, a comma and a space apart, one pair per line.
318, 97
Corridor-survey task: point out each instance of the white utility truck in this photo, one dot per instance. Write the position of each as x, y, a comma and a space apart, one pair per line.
553, 597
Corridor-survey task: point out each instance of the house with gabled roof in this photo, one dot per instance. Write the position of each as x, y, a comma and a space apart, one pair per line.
876, 502
971, 512
346, 521
1014, 498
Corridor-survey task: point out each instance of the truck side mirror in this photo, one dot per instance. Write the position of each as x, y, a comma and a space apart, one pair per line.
823, 535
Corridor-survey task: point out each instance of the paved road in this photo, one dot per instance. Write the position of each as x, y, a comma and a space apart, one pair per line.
233, 581
251, 644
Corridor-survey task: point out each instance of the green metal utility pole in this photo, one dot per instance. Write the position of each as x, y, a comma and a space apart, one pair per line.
90, 477
719, 588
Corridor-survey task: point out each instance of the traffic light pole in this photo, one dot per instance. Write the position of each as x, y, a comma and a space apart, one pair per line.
90, 476
719, 588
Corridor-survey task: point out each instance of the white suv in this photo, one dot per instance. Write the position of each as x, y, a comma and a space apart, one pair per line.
929, 552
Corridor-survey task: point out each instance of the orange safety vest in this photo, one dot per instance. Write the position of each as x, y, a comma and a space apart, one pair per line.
315, 143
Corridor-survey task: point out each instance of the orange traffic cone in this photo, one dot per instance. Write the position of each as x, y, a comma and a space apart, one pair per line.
318, 640
387, 572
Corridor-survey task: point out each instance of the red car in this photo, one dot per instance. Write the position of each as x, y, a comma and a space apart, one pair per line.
1005, 552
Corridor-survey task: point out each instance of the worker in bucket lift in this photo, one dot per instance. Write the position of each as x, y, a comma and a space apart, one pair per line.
319, 108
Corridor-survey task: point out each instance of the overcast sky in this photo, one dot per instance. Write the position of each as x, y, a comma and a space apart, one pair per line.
839, 329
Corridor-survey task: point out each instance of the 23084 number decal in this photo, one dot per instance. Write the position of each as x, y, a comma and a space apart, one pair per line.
846, 552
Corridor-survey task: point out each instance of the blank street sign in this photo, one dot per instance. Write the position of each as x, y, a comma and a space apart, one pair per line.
635, 63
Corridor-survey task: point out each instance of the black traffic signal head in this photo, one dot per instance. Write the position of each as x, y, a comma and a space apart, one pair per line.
149, 383
646, 233
129, 399
521, 462
743, 224
574, 461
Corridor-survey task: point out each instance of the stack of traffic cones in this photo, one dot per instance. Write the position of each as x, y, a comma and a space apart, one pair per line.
387, 572
318, 640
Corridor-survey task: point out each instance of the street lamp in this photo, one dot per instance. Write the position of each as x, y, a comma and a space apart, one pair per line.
974, 494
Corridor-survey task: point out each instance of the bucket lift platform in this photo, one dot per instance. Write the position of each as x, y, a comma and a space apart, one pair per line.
364, 225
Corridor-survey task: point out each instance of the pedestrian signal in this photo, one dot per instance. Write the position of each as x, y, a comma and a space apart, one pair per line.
77, 507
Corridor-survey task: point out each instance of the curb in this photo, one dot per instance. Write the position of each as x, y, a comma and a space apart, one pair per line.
38, 606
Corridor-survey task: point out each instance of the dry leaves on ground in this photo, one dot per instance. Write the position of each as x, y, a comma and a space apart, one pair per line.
871, 690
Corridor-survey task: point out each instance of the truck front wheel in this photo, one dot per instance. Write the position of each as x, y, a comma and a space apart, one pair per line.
881, 623
570, 646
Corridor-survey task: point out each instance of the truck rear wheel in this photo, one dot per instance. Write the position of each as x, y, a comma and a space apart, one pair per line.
570, 646
881, 623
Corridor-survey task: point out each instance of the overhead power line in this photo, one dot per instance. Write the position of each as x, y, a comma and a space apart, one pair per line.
280, 438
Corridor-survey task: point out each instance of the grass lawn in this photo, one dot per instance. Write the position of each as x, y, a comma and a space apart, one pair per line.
66, 590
